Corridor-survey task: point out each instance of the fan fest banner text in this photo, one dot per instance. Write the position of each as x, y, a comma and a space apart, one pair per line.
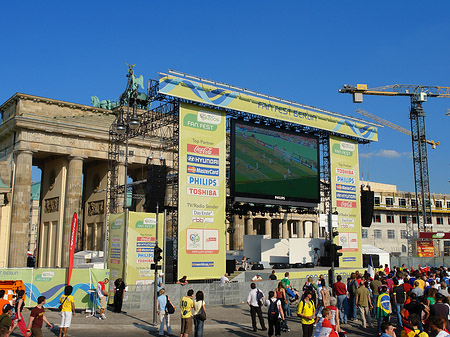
202, 193
346, 199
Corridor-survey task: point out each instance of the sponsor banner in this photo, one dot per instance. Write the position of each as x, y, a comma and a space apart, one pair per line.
346, 199
346, 188
202, 181
115, 244
141, 245
204, 150
202, 170
200, 212
209, 121
202, 160
202, 192
50, 282
203, 264
347, 196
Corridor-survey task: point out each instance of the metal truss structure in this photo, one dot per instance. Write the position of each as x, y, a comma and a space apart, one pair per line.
159, 122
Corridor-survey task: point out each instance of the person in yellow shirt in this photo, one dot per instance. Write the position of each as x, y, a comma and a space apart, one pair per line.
421, 283
186, 305
307, 311
67, 310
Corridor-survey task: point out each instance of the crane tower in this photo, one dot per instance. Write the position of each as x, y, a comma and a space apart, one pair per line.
418, 94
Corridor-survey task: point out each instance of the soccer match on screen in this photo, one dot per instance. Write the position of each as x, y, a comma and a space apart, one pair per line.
275, 163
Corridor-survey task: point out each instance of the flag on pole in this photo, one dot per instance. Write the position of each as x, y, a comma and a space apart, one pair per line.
73, 238
370, 269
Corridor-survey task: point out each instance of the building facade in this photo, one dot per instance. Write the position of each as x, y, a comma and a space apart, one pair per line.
395, 218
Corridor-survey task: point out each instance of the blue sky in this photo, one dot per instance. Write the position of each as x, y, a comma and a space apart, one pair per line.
297, 50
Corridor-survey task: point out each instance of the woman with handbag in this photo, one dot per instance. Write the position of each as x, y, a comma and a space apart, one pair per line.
67, 308
164, 313
199, 313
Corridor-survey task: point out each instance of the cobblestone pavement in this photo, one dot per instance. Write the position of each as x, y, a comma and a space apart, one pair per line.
226, 321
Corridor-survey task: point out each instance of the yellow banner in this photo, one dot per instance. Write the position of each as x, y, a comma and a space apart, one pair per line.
141, 244
116, 245
216, 96
202, 193
346, 199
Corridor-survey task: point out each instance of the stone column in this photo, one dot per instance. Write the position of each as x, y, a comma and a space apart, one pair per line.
299, 225
315, 229
72, 202
20, 210
284, 229
248, 226
268, 227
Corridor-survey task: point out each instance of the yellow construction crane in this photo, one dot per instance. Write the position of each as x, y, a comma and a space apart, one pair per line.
417, 94
393, 126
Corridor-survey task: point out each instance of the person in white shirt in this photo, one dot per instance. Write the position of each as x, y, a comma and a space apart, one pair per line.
255, 308
224, 279
257, 278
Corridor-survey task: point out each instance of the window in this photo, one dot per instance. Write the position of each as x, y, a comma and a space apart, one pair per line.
439, 220
448, 204
427, 203
403, 234
364, 233
391, 234
376, 218
389, 218
377, 233
449, 221
389, 202
403, 219
413, 202
377, 201
438, 203
414, 219
402, 202
404, 249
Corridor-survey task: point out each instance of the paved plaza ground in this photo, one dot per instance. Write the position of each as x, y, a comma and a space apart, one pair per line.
223, 321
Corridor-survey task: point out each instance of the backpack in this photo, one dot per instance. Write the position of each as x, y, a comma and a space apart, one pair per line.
273, 310
169, 307
260, 297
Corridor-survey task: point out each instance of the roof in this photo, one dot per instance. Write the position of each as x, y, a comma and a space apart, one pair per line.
369, 249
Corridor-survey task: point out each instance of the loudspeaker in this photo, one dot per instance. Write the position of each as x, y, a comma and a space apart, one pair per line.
375, 260
367, 203
257, 266
325, 261
155, 189
230, 266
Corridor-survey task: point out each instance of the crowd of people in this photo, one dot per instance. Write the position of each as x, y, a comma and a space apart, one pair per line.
398, 301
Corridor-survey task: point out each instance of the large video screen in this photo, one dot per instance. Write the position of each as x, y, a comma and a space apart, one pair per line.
271, 165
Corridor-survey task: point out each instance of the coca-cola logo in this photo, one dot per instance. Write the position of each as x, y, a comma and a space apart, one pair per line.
206, 150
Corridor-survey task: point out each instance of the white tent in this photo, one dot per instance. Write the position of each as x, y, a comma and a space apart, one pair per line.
372, 250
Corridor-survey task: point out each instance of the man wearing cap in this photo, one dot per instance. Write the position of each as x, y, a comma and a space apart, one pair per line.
5, 318
257, 278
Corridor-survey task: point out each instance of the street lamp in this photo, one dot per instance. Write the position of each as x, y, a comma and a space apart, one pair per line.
123, 127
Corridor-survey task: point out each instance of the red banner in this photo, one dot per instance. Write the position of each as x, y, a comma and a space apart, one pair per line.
434, 235
425, 248
73, 239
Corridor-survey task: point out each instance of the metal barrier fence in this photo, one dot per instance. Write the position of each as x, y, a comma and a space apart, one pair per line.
216, 294
423, 261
